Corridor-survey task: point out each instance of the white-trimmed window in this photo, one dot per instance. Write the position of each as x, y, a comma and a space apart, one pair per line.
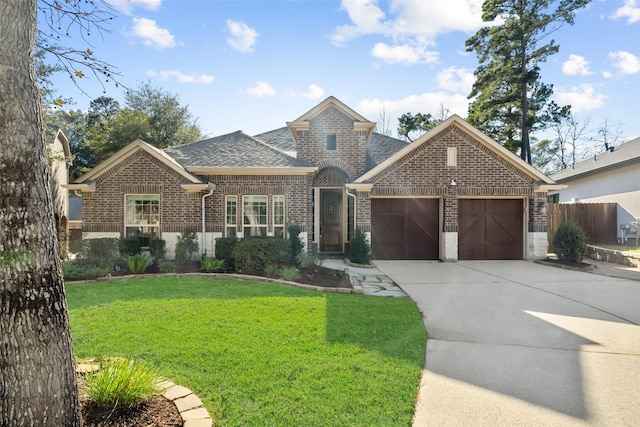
142, 216
231, 215
254, 214
278, 216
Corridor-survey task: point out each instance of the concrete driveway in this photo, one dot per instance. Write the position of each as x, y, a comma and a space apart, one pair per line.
517, 343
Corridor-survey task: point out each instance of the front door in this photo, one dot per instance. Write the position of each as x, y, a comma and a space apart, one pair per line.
331, 220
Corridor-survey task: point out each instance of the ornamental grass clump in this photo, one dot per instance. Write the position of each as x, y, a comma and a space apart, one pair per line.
211, 265
138, 263
121, 383
570, 242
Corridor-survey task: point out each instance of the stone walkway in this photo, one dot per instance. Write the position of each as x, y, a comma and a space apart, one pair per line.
369, 279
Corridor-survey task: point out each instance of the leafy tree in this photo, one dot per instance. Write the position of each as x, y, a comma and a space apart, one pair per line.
168, 122
37, 369
412, 126
510, 100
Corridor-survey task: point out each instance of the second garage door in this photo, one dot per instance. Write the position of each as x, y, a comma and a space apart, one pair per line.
405, 228
490, 229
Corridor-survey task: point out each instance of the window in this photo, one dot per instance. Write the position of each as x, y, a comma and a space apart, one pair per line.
254, 209
278, 216
142, 216
331, 142
231, 216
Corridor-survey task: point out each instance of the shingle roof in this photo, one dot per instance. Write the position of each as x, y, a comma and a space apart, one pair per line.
278, 138
380, 148
233, 150
621, 155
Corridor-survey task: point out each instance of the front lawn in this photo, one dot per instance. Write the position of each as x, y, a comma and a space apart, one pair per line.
261, 354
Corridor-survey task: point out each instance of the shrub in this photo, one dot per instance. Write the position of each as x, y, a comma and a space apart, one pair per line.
307, 259
359, 249
167, 267
98, 252
270, 270
211, 265
157, 248
138, 263
224, 250
130, 246
289, 273
253, 254
186, 247
295, 243
121, 383
73, 271
570, 242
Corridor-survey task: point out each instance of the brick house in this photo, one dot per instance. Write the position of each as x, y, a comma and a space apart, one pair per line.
452, 194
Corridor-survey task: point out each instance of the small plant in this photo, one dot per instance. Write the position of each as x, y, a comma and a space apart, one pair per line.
186, 247
570, 242
167, 267
157, 248
289, 273
270, 270
130, 246
138, 263
74, 271
359, 248
307, 259
121, 383
295, 243
211, 265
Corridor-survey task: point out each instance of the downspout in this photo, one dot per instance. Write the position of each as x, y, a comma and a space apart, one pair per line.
204, 225
355, 206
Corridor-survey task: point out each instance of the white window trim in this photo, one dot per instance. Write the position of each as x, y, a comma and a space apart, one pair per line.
284, 213
226, 218
265, 226
132, 225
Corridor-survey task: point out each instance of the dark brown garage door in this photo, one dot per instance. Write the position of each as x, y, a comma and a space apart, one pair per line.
405, 228
490, 229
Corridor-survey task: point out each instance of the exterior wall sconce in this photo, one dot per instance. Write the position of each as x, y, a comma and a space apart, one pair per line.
453, 182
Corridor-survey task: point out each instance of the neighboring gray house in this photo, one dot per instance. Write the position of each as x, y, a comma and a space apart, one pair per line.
611, 176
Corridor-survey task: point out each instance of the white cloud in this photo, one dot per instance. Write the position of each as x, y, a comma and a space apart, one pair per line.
456, 79
127, 6
576, 65
607, 74
261, 89
626, 62
411, 25
630, 11
430, 102
313, 92
151, 34
242, 36
182, 77
403, 54
581, 98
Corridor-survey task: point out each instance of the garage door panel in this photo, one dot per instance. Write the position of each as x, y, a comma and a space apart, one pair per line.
405, 228
490, 229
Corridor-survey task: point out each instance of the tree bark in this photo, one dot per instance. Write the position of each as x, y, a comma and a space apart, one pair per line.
37, 369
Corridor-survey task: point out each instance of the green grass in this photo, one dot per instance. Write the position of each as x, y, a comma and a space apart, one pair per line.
622, 248
261, 354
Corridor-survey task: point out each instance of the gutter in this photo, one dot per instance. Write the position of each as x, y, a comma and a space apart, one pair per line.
211, 187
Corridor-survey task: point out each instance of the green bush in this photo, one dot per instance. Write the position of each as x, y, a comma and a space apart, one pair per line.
73, 271
359, 248
224, 250
121, 383
98, 252
271, 270
570, 242
157, 248
253, 254
289, 273
186, 247
211, 265
295, 243
167, 267
138, 263
130, 246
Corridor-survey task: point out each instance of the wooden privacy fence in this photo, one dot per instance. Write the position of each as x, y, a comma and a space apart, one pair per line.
599, 220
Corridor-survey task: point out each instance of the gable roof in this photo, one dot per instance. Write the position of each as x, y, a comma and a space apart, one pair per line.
279, 138
622, 155
380, 148
235, 152
456, 120
125, 152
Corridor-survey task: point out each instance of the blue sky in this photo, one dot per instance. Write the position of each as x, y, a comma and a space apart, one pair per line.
254, 65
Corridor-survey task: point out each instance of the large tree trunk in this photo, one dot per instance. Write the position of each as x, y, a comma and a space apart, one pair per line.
37, 381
